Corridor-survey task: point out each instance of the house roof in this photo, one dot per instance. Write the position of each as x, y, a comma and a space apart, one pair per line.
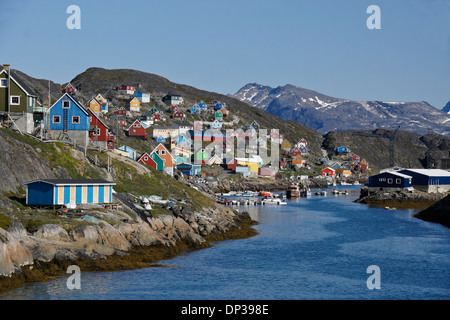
430, 172
78, 104
21, 83
63, 182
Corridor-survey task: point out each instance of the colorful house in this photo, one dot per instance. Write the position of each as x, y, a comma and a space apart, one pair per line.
142, 97
298, 161
95, 105
134, 105
255, 125
225, 112
215, 160
69, 191
99, 133
286, 145
201, 156
69, 88
166, 156
68, 119
190, 169
341, 149
390, 180
137, 130
21, 97
156, 162
328, 172
216, 124
128, 152
229, 164
178, 114
195, 109
125, 89
218, 115
164, 131
121, 112
173, 99
295, 152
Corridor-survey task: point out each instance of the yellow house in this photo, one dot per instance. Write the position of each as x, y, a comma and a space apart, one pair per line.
101, 98
286, 145
254, 166
135, 105
95, 105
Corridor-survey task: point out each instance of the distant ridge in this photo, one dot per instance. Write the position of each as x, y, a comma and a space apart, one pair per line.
324, 113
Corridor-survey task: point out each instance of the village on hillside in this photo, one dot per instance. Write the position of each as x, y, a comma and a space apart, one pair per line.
171, 135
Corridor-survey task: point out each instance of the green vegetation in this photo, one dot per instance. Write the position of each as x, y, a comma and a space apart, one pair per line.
5, 221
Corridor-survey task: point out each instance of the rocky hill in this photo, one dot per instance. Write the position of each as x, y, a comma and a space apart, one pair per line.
411, 150
324, 113
446, 109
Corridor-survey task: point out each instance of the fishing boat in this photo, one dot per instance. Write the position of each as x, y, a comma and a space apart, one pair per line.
293, 191
266, 194
321, 193
305, 193
272, 201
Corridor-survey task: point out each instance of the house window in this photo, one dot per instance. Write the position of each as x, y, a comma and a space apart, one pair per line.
3, 83
56, 119
398, 181
15, 100
145, 158
163, 152
66, 104
390, 180
76, 119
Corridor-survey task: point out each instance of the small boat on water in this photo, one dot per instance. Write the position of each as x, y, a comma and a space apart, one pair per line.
321, 193
272, 201
265, 194
390, 208
293, 191
305, 193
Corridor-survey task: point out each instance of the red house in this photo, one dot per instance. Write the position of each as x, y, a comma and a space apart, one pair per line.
356, 158
296, 152
328, 172
230, 164
125, 89
156, 116
121, 112
99, 132
137, 130
147, 160
69, 89
178, 114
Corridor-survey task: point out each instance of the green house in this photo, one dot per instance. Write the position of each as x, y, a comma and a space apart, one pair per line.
21, 97
158, 160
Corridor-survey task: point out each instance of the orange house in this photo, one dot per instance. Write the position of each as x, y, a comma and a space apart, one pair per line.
298, 161
167, 157
95, 105
135, 105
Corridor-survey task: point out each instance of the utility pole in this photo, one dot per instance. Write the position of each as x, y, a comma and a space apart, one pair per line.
8, 72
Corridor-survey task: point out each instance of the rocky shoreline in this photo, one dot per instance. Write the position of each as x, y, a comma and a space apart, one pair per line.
114, 242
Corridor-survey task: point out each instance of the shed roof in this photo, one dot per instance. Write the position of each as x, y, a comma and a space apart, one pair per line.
65, 182
430, 172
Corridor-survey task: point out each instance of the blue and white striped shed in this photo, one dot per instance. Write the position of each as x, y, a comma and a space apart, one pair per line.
65, 191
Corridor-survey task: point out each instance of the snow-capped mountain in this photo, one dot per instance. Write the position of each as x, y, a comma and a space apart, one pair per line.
446, 109
324, 113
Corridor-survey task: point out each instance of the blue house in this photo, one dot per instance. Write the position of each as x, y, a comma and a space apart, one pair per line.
218, 106
68, 119
202, 105
130, 151
196, 109
142, 97
160, 139
69, 191
216, 124
429, 180
390, 180
190, 169
341, 149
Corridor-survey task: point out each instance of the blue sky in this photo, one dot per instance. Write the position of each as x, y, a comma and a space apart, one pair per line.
221, 45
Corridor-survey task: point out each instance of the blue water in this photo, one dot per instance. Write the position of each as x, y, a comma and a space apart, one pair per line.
314, 248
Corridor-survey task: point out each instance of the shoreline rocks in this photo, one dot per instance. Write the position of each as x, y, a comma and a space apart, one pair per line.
118, 246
